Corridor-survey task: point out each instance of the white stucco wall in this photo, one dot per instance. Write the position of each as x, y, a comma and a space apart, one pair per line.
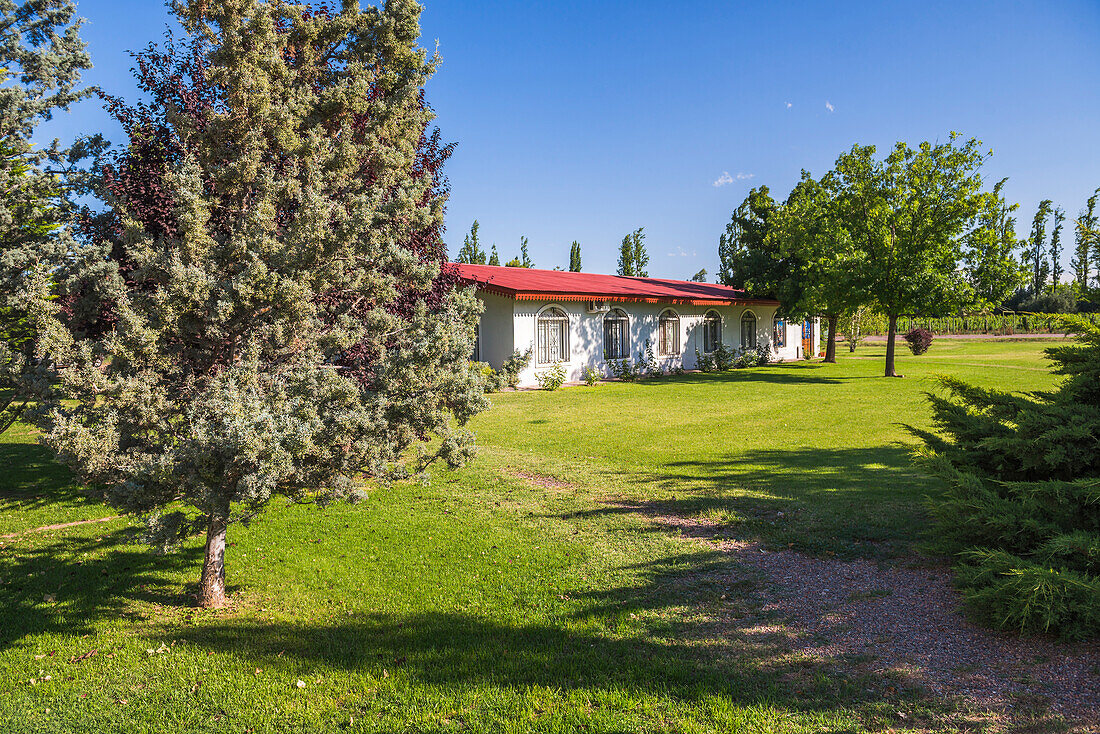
508, 325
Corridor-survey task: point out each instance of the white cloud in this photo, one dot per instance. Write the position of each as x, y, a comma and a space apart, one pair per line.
681, 252
726, 178
789, 105
829, 106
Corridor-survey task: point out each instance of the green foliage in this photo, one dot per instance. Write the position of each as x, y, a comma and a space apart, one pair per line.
525, 259
471, 251
1021, 510
508, 374
700, 277
1036, 254
724, 357
494, 259
1086, 253
575, 257
988, 257
551, 378
41, 61
625, 369
649, 359
747, 258
704, 362
590, 375
291, 333
633, 258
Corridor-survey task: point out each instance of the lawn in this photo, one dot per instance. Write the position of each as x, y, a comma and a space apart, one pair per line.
535, 590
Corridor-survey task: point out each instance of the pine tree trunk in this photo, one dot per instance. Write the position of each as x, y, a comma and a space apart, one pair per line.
212, 581
891, 337
830, 345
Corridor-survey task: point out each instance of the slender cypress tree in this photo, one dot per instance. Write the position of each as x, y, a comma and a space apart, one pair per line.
626, 257
525, 258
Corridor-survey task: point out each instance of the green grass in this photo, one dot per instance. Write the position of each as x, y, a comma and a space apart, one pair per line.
494, 599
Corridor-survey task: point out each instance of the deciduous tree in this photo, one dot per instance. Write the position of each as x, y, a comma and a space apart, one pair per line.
633, 258
700, 277
471, 251
575, 257
1087, 244
909, 214
989, 252
265, 307
494, 258
1056, 249
1036, 253
747, 258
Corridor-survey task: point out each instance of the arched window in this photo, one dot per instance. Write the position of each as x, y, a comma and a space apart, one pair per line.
748, 330
712, 331
668, 334
616, 330
779, 332
553, 336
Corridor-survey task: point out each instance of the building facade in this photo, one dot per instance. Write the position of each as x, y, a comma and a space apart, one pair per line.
586, 320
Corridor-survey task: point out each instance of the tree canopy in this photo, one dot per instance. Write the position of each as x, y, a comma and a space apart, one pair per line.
264, 306
633, 258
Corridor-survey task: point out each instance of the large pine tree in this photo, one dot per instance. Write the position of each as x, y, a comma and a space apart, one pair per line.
1021, 511
265, 306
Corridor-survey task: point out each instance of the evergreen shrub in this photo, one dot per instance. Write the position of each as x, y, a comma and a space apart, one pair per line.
1021, 510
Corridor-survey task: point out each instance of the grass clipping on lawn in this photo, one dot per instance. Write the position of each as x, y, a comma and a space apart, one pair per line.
1021, 512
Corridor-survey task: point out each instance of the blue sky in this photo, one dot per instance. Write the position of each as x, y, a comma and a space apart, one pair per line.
586, 120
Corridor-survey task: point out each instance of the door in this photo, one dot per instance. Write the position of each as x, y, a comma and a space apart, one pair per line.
808, 346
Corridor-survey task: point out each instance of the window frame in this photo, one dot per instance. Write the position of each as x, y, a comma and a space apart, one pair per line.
668, 316
616, 316
551, 314
712, 319
755, 337
779, 335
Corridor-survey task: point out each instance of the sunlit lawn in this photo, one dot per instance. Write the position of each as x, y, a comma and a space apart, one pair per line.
495, 599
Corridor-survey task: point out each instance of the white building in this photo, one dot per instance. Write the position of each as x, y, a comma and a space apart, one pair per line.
585, 319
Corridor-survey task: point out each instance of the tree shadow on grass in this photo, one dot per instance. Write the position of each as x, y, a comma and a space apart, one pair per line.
681, 648
31, 477
67, 584
848, 502
779, 374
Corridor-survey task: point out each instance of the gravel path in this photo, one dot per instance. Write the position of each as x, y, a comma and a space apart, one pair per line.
907, 618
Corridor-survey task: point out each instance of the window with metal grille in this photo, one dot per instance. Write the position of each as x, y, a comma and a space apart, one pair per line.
668, 334
616, 328
712, 331
748, 330
553, 336
780, 332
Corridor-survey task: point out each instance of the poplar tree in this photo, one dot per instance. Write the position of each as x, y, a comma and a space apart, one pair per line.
1087, 241
265, 307
989, 255
41, 60
700, 277
633, 258
525, 259
575, 257
494, 258
1056, 249
1040, 270
471, 251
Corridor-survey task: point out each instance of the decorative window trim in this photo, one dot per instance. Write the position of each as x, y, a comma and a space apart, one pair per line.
616, 316
755, 337
546, 356
664, 349
711, 316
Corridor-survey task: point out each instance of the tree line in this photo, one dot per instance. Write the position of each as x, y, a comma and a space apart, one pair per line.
913, 232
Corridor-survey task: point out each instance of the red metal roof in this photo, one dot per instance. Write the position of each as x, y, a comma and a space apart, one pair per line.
533, 284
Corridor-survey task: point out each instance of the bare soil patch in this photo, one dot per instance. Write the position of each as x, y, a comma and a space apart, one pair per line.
906, 618
540, 480
59, 526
